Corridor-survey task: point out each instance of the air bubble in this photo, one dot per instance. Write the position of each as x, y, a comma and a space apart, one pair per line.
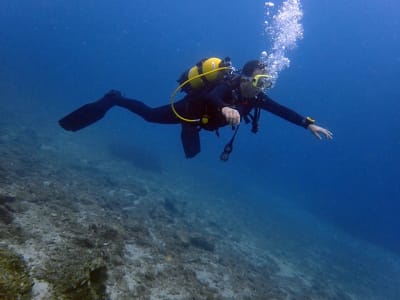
283, 30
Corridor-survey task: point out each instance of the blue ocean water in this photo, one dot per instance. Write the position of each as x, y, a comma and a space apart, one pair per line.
58, 55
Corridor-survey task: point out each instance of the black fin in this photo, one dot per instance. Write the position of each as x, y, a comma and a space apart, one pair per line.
89, 113
83, 116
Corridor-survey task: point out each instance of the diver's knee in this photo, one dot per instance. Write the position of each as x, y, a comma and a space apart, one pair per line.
113, 94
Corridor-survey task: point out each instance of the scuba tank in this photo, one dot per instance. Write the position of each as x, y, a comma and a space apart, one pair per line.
207, 72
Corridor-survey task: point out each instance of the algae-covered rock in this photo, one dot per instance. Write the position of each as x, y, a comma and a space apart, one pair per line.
78, 281
15, 282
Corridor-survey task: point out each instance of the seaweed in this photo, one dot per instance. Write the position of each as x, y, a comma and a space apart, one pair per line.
15, 282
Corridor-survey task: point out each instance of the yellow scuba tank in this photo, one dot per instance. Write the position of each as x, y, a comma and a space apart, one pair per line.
205, 73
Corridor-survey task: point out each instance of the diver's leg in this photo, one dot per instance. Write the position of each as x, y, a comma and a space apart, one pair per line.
190, 140
92, 112
162, 114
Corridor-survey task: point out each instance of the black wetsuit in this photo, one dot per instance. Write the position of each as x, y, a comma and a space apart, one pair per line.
192, 106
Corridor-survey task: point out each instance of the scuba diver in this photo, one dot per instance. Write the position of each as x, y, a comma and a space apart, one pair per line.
217, 96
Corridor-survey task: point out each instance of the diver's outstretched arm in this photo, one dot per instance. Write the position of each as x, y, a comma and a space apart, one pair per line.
318, 130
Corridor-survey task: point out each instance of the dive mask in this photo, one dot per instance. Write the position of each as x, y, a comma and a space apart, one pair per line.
262, 81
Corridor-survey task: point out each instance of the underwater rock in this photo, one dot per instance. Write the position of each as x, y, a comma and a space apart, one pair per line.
202, 243
84, 242
110, 234
6, 216
182, 239
97, 280
15, 282
174, 207
6, 198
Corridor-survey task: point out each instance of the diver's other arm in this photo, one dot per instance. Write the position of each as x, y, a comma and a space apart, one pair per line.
231, 115
290, 115
318, 130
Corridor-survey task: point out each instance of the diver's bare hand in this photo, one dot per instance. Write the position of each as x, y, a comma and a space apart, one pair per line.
317, 131
231, 115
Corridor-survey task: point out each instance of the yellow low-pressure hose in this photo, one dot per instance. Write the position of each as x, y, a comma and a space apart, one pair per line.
178, 89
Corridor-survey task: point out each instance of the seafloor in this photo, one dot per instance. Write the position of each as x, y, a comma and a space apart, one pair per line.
77, 222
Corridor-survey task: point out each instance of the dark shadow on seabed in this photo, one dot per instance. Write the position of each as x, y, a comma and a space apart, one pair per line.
135, 155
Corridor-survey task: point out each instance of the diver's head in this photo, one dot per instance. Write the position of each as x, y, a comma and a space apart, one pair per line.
254, 78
